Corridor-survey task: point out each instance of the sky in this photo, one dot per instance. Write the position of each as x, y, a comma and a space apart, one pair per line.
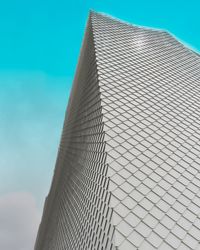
39, 48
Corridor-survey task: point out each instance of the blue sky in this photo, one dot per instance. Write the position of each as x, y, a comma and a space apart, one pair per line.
39, 47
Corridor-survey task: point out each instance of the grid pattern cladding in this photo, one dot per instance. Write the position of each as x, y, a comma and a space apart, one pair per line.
79, 215
128, 170
150, 91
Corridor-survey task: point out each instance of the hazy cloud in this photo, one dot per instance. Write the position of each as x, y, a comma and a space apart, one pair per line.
32, 108
19, 220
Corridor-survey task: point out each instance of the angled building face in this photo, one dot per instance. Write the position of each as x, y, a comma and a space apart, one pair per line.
127, 174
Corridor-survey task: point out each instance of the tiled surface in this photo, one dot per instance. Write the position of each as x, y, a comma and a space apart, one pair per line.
128, 169
150, 92
77, 214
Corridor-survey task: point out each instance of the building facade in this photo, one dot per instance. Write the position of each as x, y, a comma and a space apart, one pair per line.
127, 174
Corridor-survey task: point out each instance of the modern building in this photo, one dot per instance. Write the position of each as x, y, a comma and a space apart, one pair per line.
127, 174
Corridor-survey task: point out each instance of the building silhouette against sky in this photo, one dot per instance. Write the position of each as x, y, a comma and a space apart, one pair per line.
127, 174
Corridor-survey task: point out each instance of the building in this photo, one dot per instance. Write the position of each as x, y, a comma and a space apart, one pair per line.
127, 174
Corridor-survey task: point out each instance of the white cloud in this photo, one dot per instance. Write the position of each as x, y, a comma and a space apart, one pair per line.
19, 220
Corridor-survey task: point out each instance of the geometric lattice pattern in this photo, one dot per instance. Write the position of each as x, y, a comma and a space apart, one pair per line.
77, 214
128, 169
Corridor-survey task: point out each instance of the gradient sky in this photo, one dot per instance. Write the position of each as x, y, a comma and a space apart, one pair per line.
39, 47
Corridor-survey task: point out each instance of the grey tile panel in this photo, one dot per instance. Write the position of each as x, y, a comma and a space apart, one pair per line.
150, 92
128, 168
77, 214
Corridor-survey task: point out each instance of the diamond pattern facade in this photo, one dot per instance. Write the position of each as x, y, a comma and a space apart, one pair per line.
128, 169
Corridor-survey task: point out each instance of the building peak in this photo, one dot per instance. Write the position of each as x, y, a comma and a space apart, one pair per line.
93, 13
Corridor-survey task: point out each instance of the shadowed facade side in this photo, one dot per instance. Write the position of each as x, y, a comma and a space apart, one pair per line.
77, 213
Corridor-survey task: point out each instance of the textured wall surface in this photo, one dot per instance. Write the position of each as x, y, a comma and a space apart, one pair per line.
128, 169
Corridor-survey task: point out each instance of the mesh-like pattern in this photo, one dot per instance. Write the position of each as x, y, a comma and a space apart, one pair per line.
128, 170
80, 216
150, 91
